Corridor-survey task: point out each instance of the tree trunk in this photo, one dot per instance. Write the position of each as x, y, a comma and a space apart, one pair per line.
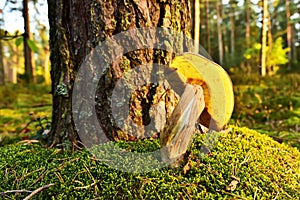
76, 28
226, 43
197, 23
264, 37
47, 66
2, 74
248, 22
29, 72
207, 27
248, 30
289, 33
232, 30
220, 38
269, 42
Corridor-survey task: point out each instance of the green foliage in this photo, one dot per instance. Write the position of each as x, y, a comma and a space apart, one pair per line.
276, 56
32, 46
271, 104
19, 41
266, 169
42, 127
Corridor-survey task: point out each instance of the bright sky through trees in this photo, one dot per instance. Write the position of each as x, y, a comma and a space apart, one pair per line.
13, 19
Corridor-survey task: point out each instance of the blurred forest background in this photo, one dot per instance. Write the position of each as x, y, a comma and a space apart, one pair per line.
256, 41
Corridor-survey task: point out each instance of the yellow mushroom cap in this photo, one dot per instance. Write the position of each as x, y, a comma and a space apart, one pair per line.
216, 84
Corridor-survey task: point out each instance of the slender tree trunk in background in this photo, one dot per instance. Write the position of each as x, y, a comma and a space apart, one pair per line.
232, 30
220, 38
2, 74
207, 27
16, 69
248, 31
269, 41
264, 37
29, 73
197, 22
76, 27
47, 66
225, 43
294, 48
289, 33
248, 22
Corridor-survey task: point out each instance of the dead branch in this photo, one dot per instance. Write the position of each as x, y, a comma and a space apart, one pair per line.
38, 190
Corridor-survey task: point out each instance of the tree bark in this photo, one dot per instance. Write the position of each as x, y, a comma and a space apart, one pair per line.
197, 23
289, 33
207, 27
232, 30
226, 43
2, 74
29, 71
220, 38
248, 22
76, 27
264, 37
248, 30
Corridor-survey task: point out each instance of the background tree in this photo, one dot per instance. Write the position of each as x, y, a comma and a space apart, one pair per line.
29, 69
207, 26
219, 29
2, 33
197, 21
2, 74
264, 37
232, 27
289, 33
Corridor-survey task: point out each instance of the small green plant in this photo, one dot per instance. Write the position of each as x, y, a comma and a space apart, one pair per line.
42, 127
277, 55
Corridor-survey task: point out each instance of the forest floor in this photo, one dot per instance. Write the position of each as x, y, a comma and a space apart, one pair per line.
243, 164
270, 105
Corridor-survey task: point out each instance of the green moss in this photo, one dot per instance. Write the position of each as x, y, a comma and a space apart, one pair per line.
266, 169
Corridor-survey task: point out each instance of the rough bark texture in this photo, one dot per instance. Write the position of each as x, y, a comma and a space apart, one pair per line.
77, 26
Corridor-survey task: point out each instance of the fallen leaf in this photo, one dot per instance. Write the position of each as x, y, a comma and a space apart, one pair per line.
232, 186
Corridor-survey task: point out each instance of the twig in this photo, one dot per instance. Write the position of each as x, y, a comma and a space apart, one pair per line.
38, 190
14, 191
95, 182
85, 187
189, 198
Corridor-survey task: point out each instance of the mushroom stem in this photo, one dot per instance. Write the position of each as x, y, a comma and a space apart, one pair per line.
181, 126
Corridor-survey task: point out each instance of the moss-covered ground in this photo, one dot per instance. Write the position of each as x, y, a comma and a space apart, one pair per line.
266, 169
258, 163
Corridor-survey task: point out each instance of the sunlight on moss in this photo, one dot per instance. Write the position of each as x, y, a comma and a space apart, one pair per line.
266, 169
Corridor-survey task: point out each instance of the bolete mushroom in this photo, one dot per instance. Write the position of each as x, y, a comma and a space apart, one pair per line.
216, 84
208, 95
